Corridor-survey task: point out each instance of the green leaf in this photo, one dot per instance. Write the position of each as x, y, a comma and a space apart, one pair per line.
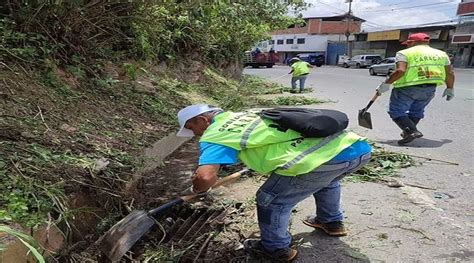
27, 240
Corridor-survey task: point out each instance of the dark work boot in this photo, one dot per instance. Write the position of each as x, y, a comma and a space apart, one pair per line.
410, 132
415, 120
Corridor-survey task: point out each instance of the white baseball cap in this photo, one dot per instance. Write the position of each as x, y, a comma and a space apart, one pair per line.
190, 112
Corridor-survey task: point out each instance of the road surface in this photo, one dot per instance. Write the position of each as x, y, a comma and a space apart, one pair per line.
407, 224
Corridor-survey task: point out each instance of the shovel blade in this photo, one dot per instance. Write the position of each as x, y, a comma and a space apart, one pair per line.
123, 235
364, 119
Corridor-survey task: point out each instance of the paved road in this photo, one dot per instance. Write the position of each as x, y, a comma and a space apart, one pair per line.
406, 224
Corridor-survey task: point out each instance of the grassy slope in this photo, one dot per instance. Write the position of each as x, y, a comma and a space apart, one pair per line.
62, 134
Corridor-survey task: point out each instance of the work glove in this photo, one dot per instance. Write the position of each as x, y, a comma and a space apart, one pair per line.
449, 93
190, 191
382, 88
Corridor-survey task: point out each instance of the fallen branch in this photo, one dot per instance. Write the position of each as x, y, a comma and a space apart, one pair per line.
432, 159
396, 184
416, 231
421, 186
6, 86
202, 247
42, 119
16, 73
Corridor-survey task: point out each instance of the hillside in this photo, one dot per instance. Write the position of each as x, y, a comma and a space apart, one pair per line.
86, 86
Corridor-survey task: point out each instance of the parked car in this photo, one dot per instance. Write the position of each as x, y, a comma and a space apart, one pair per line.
362, 61
312, 58
385, 67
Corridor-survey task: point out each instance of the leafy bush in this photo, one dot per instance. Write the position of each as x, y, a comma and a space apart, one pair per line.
215, 31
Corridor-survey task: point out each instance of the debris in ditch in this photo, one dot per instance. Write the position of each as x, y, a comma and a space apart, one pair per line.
383, 163
190, 234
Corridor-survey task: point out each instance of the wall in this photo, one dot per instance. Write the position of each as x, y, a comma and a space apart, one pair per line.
336, 27
312, 43
316, 26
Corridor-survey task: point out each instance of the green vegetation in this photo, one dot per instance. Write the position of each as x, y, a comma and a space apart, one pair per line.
81, 32
26, 240
290, 100
89, 84
259, 85
383, 163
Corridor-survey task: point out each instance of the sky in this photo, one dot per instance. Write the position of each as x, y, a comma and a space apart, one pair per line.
388, 14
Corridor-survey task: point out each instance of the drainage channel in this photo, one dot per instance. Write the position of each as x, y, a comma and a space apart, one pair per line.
185, 235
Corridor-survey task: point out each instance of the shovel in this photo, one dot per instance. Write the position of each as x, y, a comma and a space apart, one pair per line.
123, 235
364, 116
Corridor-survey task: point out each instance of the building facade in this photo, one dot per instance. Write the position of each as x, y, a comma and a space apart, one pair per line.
463, 38
321, 35
388, 43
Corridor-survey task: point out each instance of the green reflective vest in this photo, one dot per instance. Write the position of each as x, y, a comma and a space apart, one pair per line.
425, 66
266, 149
300, 68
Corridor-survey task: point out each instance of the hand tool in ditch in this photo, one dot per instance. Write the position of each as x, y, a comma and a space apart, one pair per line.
123, 235
364, 116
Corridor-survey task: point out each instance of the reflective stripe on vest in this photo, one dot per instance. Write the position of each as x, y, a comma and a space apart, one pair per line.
266, 149
247, 132
310, 150
425, 66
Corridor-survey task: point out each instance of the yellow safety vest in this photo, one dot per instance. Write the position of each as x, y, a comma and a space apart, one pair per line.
425, 65
300, 68
266, 149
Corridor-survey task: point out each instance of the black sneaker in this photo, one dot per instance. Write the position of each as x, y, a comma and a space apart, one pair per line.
254, 247
336, 228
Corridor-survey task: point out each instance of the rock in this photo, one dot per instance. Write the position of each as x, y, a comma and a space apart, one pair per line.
27, 135
101, 164
66, 127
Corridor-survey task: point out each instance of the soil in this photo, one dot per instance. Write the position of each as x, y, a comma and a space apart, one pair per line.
166, 183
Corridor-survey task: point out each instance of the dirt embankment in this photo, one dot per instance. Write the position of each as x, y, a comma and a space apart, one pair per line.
69, 145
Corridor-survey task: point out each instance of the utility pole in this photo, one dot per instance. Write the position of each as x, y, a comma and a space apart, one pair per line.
348, 32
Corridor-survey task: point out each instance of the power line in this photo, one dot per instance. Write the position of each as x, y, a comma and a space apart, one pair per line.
453, 20
397, 5
424, 24
328, 5
405, 8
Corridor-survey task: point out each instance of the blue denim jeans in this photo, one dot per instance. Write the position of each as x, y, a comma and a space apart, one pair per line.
277, 197
410, 102
302, 79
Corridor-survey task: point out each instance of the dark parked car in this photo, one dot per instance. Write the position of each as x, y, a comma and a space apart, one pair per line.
313, 58
385, 67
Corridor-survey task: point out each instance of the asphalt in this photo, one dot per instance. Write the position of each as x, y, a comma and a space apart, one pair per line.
433, 223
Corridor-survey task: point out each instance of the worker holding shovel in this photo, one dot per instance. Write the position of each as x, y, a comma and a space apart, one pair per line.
299, 166
300, 71
420, 69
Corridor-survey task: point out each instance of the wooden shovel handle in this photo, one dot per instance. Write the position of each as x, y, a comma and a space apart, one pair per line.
226, 180
181, 199
376, 95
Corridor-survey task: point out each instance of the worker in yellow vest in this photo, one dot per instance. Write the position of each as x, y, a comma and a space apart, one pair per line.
300, 70
420, 69
298, 167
